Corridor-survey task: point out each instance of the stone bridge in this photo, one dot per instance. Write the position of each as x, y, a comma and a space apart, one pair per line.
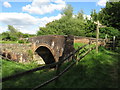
52, 48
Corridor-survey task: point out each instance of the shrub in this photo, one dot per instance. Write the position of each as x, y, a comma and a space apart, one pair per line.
21, 41
110, 31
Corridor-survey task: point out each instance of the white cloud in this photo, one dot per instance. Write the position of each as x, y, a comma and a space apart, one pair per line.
3, 28
84, 16
25, 22
17, 18
102, 2
6, 4
44, 6
87, 16
49, 19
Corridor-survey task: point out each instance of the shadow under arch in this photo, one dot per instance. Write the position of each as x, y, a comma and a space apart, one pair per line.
46, 54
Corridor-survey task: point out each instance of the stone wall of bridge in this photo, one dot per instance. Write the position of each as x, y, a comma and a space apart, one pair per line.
19, 53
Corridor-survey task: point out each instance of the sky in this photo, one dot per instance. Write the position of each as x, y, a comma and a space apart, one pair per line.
28, 15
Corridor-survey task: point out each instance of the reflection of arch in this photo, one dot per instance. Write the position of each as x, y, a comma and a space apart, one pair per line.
46, 53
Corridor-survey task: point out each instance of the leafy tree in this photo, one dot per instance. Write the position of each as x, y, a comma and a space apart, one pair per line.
80, 15
110, 15
66, 25
90, 28
68, 11
109, 31
8, 36
19, 34
63, 26
5, 35
26, 35
94, 15
12, 29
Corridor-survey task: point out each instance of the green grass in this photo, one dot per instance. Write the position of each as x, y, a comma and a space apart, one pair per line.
29, 81
76, 45
8, 42
93, 71
11, 67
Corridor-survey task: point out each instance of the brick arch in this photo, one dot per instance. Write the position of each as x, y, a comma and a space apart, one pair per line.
45, 45
46, 53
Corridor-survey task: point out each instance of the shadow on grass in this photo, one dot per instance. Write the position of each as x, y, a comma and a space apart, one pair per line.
94, 71
29, 80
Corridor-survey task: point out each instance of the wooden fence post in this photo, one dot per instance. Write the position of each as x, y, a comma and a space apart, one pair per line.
106, 37
113, 42
105, 40
57, 73
97, 36
90, 42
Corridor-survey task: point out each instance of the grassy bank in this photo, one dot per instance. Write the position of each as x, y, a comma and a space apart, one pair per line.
94, 71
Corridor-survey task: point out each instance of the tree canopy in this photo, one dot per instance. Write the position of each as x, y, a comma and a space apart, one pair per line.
110, 15
12, 29
68, 24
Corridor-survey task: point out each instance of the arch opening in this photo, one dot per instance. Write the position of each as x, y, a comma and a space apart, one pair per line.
46, 54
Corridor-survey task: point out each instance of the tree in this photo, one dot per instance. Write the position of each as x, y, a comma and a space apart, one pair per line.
67, 25
90, 28
94, 15
8, 36
12, 29
80, 15
68, 11
109, 31
110, 15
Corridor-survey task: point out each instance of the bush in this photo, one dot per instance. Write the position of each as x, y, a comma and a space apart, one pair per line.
12, 38
110, 31
21, 41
